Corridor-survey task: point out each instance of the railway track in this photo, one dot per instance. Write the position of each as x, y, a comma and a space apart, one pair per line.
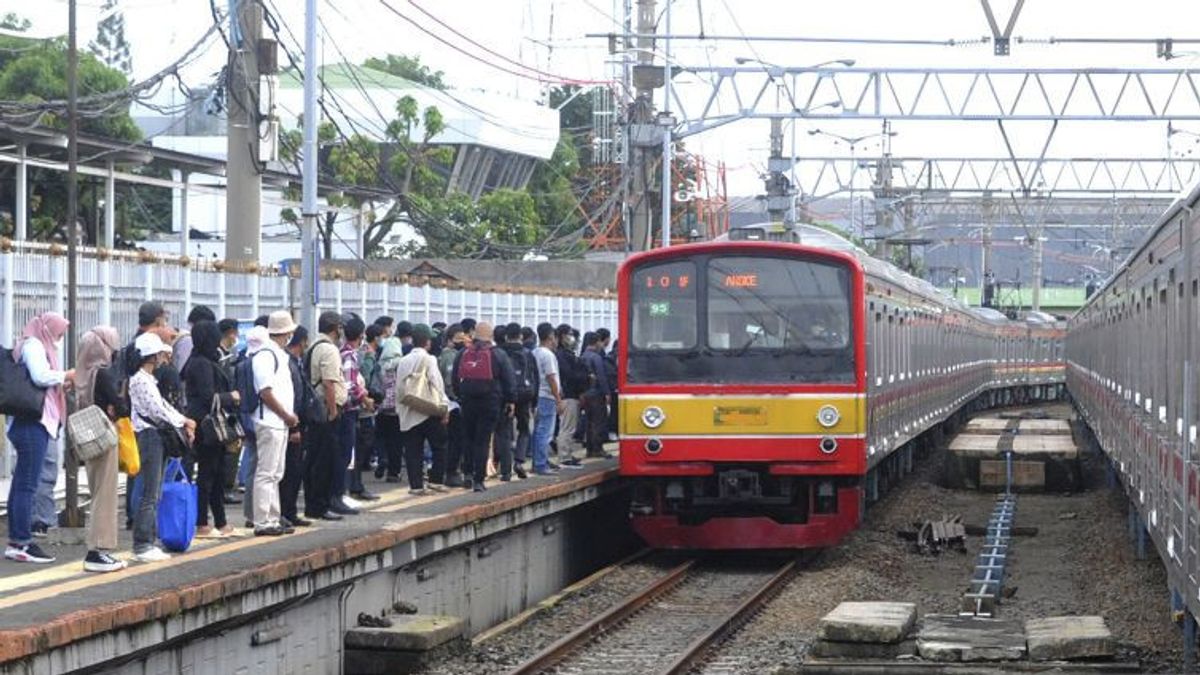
668, 626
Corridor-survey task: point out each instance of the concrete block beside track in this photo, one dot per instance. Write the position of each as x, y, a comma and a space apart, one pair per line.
1064, 638
869, 622
950, 637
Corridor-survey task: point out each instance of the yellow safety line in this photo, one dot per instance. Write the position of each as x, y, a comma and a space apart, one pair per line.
137, 569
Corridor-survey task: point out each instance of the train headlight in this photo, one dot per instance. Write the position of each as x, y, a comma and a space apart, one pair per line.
653, 417
829, 445
828, 416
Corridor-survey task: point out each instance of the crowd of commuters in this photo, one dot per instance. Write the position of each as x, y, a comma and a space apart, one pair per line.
261, 417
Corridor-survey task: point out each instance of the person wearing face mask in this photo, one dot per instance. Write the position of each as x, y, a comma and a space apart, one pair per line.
458, 462
574, 381
38, 351
150, 411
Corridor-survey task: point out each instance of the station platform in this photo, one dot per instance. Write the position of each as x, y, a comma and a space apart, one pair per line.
57, 607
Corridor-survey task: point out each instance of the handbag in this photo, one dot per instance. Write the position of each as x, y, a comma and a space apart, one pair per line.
421, 396
128, 459
91, 433
175, 443
19, 396
176, 508
222, 427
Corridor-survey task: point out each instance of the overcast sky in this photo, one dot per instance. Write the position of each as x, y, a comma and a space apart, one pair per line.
160, 30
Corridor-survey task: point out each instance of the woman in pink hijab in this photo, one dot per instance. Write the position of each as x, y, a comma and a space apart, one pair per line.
38, 351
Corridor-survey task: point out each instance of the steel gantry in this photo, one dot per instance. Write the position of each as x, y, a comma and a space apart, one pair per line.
821, 175
938, 94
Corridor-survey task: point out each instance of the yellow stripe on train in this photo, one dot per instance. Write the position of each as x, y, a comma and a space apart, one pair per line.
757, 415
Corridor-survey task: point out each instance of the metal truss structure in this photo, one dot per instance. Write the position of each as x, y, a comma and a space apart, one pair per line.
1036, 212
938, 94
1060, 176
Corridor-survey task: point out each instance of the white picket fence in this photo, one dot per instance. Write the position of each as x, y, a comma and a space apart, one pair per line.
33, 279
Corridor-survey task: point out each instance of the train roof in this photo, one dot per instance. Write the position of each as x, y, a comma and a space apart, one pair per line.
818, 237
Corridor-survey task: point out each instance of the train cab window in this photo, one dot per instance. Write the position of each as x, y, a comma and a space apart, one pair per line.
663, 307
746, 318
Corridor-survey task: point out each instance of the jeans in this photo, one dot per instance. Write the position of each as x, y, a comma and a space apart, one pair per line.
246, 474
321, 457
30, 439
479, 416
45, 510
543, 429
210, 484
293, 475
430, 431
347, 430
145, 519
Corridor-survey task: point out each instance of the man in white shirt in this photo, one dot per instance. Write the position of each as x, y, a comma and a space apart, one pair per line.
550, 400
274, 417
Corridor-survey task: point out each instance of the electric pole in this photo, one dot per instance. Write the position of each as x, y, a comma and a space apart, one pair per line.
243, 182
309, 266
71, 514
642, 133
780, 196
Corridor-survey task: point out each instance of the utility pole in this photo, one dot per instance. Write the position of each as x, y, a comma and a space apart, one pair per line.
780, 201
641, 133
243, 182
310, 278
72, 516
985, 271
1039, 250
667, 124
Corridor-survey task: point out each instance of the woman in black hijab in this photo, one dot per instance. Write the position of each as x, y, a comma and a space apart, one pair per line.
204, 379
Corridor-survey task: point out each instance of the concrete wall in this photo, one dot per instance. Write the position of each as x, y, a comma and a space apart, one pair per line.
486, 571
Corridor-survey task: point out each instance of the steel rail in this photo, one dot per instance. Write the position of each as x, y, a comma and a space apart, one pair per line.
604, 622
696, 651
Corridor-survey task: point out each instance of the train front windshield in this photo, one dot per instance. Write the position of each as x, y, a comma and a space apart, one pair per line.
744, 318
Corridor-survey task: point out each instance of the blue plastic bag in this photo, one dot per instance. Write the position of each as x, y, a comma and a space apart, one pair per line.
176, 508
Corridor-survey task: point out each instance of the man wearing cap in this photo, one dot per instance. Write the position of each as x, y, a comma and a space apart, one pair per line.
275, 416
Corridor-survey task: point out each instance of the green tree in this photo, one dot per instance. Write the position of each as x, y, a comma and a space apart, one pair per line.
401, 166
11, 21
553, 189
408, 67
33, 71
110, 45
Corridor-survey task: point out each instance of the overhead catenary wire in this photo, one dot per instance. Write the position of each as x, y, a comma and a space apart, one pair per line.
526, 72
413, 208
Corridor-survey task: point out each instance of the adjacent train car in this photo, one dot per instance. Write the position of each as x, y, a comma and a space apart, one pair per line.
1131, 370
766, 380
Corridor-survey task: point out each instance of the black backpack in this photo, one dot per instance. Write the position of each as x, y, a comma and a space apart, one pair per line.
311, 407
526, 371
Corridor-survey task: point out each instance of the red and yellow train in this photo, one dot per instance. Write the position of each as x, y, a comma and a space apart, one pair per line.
767, 380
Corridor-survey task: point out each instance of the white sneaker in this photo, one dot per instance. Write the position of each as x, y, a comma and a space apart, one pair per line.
152, 554
352, 503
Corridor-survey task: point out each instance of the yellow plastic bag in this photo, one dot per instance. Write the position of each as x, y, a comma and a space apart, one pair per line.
128, 459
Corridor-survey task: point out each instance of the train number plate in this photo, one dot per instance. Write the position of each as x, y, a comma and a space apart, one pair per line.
740, 416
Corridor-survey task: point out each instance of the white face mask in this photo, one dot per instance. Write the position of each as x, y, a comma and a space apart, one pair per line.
58, 344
